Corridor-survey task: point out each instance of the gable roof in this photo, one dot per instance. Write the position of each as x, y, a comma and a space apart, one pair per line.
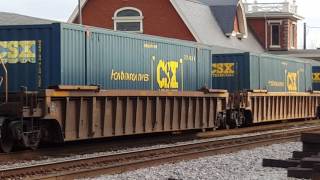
206, 29
18, 19
76, 11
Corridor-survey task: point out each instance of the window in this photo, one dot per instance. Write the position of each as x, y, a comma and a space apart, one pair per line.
275, 35
128, 19
293, 36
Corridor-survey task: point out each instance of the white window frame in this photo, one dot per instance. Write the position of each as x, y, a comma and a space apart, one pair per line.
138, 19
242, 21
292, 35
275, 23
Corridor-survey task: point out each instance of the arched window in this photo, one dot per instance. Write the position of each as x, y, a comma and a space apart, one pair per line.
128, 19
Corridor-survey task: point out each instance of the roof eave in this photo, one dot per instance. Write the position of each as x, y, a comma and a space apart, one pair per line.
185, 20
76, 11
274, 15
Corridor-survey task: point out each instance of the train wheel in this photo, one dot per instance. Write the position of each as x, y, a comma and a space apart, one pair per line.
6, 140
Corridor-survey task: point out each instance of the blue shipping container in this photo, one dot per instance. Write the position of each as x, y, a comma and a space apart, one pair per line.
248, 71
38, 56
316, 78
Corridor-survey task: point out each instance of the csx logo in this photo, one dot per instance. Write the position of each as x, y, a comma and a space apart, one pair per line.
316, 77
18, 51
167, 74
292, 81
223, 70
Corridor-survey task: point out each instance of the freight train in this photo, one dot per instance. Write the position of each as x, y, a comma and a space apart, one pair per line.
64, 82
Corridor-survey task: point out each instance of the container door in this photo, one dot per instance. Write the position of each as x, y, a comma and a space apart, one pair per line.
230, 72
29, 57
316, 78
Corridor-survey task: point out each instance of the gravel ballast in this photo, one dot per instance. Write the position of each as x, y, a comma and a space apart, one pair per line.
242, 165
9, 165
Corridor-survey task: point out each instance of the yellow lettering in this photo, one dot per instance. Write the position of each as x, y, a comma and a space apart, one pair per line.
26, 54
229, 68
3, 47
292, 81
316, 77
223, 70
13, 52
18, 51
169, 69
127, 76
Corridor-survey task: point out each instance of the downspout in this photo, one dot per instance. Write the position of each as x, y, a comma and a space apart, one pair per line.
266, 32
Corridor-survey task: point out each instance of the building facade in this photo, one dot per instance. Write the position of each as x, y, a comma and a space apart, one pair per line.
230, 24
274, 24
156, 18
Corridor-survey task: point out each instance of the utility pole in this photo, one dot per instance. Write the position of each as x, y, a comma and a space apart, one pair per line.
80, 12
305, 36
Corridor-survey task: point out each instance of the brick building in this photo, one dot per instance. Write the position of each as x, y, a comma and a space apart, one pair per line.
274, 24
214, 22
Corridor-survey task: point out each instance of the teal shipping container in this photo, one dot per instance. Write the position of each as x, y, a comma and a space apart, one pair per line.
39, 56
249, 71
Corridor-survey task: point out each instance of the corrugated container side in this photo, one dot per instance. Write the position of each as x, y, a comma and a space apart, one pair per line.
127, 61
230, 71
260, 71
73, 54
280, 74
273, 74
76, 55
204, 70
29, 52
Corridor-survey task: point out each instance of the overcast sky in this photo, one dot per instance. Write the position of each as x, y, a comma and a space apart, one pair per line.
62, 9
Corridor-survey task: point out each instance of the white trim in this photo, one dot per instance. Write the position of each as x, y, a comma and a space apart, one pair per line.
242, 21
275, 22
274, 15
127, 8
185, 20
292, 35
138, 19
75, 12
271, 43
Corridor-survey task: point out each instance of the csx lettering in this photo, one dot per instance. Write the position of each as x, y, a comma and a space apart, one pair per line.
316, 77
169, 79
18, 51
292, 81
223, 69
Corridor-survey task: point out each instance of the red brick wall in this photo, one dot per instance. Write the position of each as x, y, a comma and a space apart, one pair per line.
295, 34
160, 17
258, 27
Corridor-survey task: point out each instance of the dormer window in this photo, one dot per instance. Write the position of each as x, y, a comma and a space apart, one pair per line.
231, 18
242, 21
128, 19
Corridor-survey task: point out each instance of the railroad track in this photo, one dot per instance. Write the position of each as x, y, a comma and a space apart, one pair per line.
120, 162
136, 142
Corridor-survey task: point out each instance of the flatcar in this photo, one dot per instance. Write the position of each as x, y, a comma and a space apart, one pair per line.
142, 84
64, 82
265, 88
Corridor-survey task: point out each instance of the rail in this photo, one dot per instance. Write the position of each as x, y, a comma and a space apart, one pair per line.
285, 7
117, 163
